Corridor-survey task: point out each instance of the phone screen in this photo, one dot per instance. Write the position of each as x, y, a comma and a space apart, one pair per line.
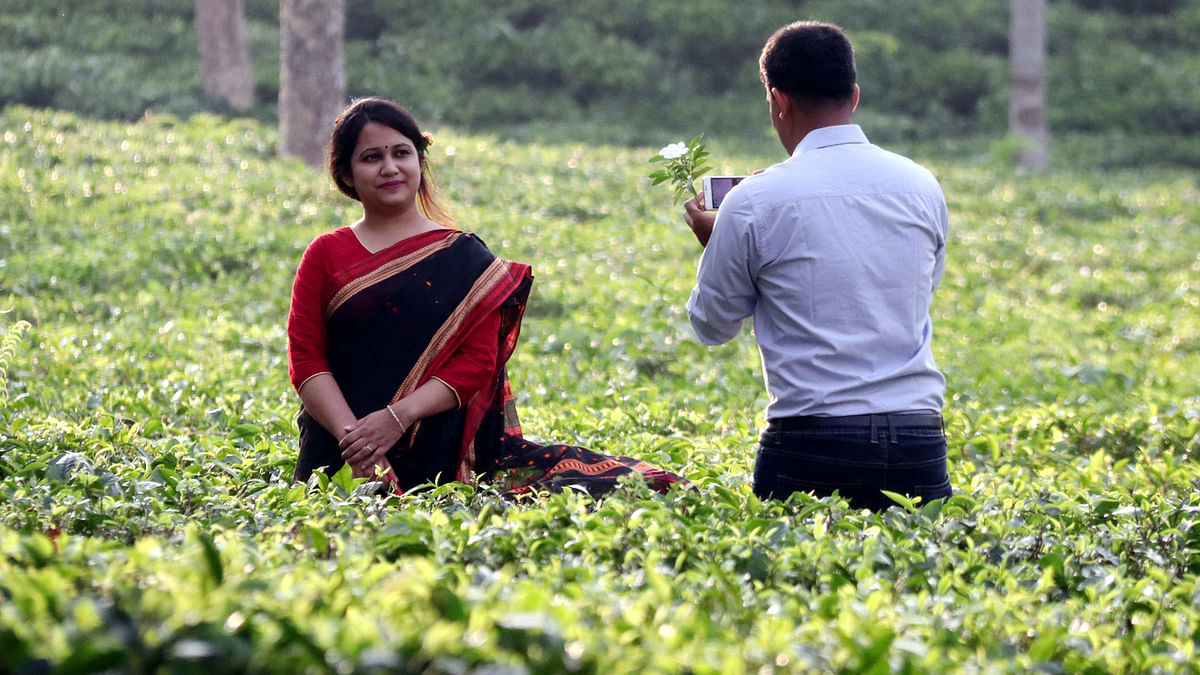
717, 188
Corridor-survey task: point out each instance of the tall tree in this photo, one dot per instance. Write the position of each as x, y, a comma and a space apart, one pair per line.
312, 77
1027, 81
225, 51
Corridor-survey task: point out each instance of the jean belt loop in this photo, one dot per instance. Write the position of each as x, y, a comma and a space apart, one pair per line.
874, 439
892, 429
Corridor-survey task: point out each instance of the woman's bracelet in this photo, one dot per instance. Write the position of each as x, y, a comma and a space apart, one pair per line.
397, 418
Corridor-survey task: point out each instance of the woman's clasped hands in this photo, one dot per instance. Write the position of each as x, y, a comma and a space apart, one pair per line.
366, 442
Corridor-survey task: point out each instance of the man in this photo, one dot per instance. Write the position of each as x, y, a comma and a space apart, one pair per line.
836, 253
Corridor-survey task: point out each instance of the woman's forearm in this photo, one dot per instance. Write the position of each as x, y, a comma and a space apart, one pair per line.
323, 399
429, 399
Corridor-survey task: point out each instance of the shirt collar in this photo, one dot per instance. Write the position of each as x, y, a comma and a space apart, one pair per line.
825, 137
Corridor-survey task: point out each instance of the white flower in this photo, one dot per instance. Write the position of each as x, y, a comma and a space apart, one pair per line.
674, 151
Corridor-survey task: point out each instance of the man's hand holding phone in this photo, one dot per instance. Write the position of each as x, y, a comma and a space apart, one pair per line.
698, 212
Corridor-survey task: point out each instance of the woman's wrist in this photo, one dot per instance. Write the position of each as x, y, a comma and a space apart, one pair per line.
399, 422
404, 413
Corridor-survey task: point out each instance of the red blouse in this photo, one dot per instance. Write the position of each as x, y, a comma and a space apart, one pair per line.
466, 371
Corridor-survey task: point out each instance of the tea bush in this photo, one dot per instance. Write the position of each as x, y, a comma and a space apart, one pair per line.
148, 521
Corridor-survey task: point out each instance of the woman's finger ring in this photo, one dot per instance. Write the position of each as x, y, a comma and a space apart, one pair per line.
369, 448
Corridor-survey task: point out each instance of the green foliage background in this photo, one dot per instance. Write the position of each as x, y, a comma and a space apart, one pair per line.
629, 72
146, 433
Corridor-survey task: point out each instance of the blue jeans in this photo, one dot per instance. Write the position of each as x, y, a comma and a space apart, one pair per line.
857, 460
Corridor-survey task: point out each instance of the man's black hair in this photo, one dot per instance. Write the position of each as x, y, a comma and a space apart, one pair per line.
810, 61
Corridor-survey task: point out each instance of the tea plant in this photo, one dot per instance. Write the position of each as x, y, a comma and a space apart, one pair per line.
148, 521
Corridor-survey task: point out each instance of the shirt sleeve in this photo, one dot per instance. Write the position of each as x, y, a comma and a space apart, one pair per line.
943, 231
725, 292
472, 365
307, 338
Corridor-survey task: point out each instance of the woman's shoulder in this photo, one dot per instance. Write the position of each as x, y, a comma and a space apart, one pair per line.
337, 236
325, 238
329, 247
472, 248
334, 240
470, 238
474, 245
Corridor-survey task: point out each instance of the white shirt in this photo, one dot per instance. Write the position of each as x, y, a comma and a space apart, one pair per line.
836, 253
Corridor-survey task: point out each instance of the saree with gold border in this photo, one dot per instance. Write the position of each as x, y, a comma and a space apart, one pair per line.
392, 319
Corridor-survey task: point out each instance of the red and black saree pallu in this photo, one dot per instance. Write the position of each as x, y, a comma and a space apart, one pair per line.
393, 319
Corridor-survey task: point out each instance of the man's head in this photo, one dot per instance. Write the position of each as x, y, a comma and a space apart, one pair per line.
811, 62
808, 70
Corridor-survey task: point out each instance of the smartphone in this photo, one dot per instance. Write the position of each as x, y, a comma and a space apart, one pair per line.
715, 189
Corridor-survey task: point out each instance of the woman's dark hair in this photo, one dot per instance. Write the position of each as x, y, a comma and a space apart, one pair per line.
810, 61
346, 130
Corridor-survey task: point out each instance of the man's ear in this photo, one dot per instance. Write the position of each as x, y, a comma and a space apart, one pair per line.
783, 103
854, 102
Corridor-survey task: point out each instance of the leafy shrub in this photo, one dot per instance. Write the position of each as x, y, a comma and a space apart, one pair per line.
148, 521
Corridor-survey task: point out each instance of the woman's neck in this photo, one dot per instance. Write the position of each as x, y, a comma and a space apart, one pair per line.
377, 231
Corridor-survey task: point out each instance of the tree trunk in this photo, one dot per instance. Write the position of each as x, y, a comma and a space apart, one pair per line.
1027, 81
312, 78
225, 51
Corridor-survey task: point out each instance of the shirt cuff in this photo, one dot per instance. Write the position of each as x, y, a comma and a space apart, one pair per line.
301, 385
456, 396
709, 332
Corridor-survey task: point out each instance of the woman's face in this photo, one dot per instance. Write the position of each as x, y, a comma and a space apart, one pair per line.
385, 169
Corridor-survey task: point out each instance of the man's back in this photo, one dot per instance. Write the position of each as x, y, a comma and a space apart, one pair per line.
836, 253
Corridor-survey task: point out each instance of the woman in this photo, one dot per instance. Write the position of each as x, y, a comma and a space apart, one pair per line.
400, 329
